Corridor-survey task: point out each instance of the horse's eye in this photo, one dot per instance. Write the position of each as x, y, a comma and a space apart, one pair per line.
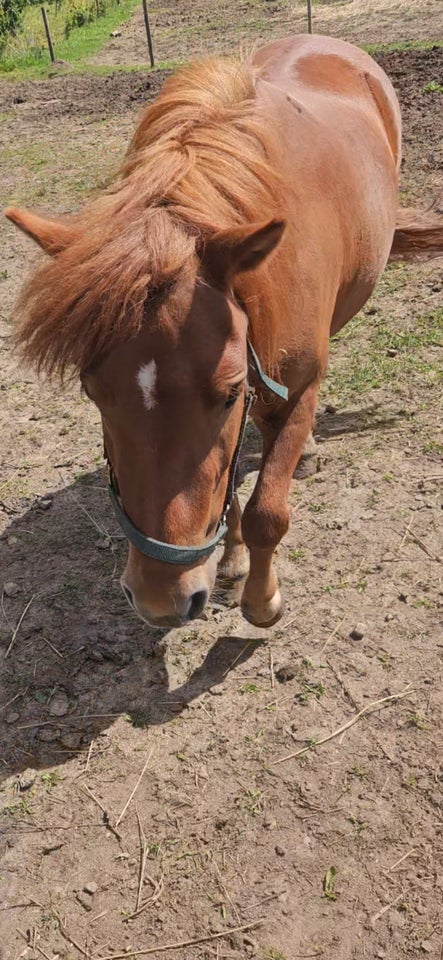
233, 396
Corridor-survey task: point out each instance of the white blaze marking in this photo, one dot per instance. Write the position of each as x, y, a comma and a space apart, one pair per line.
147, 377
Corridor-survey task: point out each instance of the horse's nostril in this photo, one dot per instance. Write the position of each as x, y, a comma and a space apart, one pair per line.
198, 603
128, 596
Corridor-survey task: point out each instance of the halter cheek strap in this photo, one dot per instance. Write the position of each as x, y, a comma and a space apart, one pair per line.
177, 554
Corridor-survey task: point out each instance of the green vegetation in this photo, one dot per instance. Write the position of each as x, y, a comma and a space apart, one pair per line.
10, 19
433, 87
391, 355
74, 34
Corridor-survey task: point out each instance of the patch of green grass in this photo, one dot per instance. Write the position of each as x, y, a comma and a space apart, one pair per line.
252, 802
433, 87
297, 554
28, 52
384, 354
309, 690
249, 688
401, 45
50, 779
357, 771
416, 720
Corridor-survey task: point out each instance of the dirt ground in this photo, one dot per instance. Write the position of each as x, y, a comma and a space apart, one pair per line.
335, 853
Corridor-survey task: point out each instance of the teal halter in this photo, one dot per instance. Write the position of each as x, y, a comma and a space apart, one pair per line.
172, 553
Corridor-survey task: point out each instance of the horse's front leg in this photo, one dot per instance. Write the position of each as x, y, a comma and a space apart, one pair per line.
266, 516
234, 563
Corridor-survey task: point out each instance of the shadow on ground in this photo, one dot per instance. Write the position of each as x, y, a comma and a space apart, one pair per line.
73, 656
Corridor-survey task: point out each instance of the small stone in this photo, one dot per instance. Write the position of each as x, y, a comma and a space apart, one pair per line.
48, 734
84, 903
389, 617
72, 741
391, 352
27, 780
285, 673
381, 955
11, 589
280, 851
11, 541
59, 705
358, 631
44, 504
90, 888
103, 543
427, 946
116, 33
12, 716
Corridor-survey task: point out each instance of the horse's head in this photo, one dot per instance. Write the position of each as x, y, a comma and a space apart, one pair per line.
172, 401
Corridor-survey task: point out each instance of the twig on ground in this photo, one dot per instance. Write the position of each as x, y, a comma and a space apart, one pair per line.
238, 657
423, 546
98, 916
17, 628
132, 794
35, 945
158, 890
385, 909
398, 862
345, 689
271, 668
405, 535
184, 943
106, 818
29, 903
97, 526
332, 635
143, 856
346, 726
51, 645
8, 704
67, 936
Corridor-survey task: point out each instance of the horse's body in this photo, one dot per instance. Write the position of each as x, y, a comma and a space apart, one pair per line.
170, 270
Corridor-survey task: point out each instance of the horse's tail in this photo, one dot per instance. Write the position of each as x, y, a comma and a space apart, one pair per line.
418, 233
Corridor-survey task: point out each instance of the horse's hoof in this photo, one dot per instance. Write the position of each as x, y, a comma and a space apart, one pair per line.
235, 567
266, 615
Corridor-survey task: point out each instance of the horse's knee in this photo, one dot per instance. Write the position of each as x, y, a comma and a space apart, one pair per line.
264, 525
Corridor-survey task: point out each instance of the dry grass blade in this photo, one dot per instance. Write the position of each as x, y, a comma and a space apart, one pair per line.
134, 791
158, 890
35, 945
238, 657
331, 736
381, 913
17, 628
73, 942
398, 862
183, 943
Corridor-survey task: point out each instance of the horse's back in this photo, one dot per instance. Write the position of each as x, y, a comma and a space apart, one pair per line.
330, 77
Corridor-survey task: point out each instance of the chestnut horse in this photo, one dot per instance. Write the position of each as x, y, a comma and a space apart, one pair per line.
253, 213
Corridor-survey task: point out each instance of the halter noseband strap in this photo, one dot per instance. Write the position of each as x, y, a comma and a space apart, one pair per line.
172, 553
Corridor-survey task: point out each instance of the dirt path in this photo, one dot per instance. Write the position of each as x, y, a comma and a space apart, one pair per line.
89, 695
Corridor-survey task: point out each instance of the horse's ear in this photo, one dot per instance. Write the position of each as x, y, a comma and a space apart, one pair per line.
51, 235
241, 248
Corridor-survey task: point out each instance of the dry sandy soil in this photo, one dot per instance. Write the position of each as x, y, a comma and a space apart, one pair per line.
220, 834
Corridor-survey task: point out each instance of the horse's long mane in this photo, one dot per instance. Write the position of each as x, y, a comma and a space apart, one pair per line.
201, 161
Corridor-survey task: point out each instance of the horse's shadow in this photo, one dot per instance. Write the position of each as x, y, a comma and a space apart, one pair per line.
73, 656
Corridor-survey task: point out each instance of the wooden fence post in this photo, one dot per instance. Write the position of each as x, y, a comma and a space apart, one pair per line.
148, 32
308, 2
48, 35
